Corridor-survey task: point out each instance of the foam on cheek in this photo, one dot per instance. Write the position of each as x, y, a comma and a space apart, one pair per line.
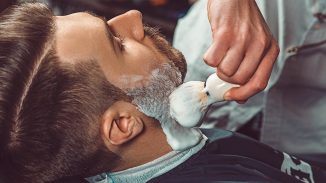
133, 81
153, 100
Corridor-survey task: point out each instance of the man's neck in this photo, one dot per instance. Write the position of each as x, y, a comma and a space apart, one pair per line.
150, 145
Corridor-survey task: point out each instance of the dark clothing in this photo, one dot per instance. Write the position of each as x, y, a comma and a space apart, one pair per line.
231, 157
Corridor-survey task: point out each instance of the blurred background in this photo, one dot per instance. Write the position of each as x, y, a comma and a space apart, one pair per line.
159, 13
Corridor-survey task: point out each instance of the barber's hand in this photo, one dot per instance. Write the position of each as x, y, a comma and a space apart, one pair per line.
243, 48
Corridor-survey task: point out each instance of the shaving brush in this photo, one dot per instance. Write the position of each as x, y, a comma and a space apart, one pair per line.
189, 102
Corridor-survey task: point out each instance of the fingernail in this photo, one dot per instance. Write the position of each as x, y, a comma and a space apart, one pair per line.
241, 102
227, 96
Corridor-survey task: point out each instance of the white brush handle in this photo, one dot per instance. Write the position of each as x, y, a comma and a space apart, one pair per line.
216, 88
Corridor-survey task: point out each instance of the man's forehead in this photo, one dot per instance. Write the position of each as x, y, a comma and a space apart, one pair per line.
79, 18
78, 36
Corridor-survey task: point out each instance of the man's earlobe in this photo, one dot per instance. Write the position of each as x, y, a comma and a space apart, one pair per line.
120, 125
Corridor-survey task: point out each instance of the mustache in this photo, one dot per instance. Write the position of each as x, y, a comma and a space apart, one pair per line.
158, 38
166, 49
152, 32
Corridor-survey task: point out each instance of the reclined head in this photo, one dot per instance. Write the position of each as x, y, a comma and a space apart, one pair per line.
64, 107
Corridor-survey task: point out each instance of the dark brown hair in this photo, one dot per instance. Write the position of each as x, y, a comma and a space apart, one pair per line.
49, 111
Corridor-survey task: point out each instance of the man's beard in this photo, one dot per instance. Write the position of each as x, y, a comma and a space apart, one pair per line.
153, 99
152, 96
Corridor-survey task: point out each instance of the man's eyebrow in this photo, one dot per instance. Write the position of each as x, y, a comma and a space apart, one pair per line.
108, 31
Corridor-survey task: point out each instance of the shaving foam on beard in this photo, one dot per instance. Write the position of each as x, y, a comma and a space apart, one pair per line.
189, 102
153, 100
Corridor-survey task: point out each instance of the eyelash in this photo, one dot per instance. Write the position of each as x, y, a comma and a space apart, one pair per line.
121, 42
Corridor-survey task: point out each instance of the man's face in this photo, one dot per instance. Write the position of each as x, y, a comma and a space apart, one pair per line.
126, 52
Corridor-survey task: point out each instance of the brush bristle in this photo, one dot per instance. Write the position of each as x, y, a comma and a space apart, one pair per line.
188, 102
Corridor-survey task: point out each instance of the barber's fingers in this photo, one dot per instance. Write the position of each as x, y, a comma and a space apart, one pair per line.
232, 60
216, 53
248, 65
259, 80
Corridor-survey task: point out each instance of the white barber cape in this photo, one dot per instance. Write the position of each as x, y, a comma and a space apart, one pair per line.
294, 103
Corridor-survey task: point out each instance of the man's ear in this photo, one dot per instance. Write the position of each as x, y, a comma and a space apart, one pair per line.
121, 123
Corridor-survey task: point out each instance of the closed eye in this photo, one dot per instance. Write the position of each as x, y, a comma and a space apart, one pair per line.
114, 40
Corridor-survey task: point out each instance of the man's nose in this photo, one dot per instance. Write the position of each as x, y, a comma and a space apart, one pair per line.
129, 24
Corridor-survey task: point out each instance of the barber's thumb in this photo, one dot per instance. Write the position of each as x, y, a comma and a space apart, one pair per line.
228, 96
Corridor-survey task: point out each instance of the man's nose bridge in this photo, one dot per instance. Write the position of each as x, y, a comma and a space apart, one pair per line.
135, 23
